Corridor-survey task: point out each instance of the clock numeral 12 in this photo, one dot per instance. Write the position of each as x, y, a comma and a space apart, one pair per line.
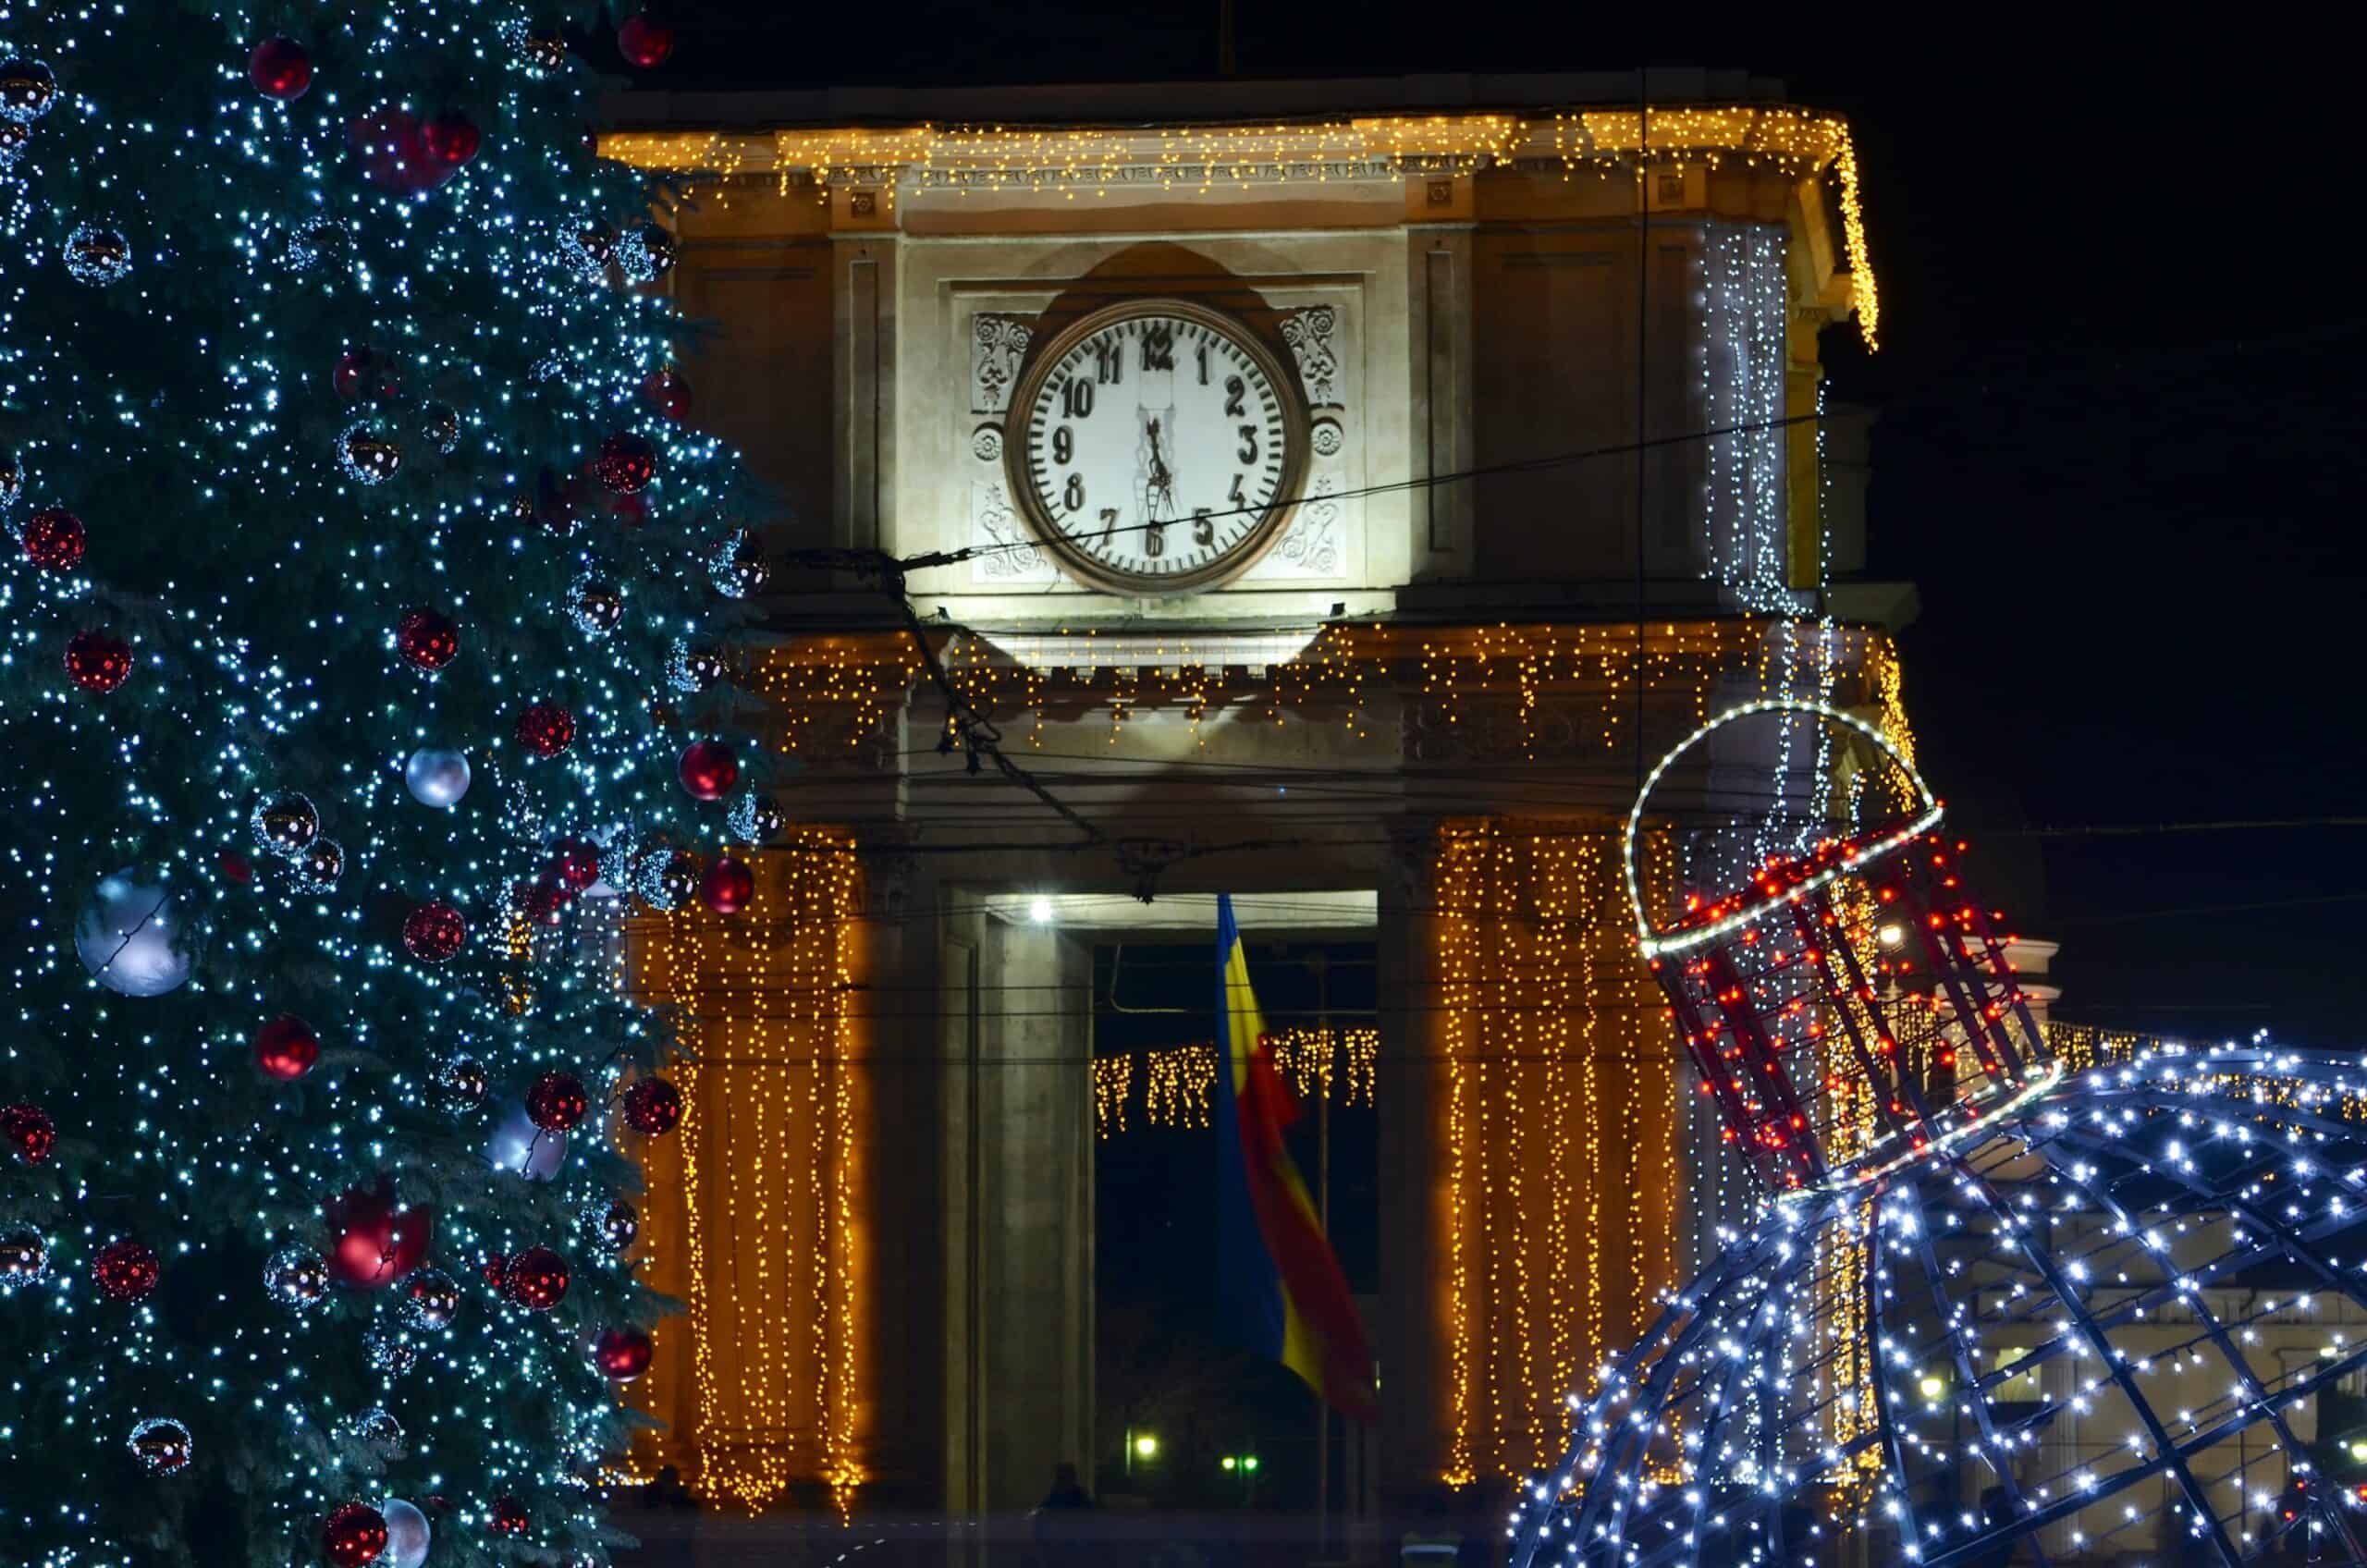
1159, 349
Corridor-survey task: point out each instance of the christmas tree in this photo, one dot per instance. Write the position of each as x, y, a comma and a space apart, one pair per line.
359, 673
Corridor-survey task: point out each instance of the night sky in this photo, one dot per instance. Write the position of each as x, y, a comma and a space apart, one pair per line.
2118, 448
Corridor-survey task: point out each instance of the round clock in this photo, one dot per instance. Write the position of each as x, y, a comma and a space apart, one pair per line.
1158, 446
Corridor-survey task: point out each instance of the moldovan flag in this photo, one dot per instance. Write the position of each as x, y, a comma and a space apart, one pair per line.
1276, 1274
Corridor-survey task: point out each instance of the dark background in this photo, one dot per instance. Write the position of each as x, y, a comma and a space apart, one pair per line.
2118, 448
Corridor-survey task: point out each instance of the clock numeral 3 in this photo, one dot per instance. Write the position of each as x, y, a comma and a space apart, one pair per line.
1072, 493
1076, 397
1249, 443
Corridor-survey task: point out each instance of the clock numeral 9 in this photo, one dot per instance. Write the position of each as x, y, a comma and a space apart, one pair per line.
1064, 445
1155, 539
1204, 533
1072, 493
1234, 389
1076, 397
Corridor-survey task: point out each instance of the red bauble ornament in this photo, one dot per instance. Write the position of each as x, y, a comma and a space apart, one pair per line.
668, 393
29, 1131
652, 1105
557, 1102
371, 1242
646, 41
434, 932
286, 1048
546, 728
622, 1354
575, 865
365, 372
535, 1279
97, 662
450, 139
126, 1270
727, 887
510, 1516
354, 1535
709, 769
427, 640
280, 68
627, 462
392, 146
543, 903
53, 539
238, 869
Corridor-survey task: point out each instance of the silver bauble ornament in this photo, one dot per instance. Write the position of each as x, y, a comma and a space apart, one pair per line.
27, 90
755, 818
407, 1534
321, 867
377, 1431
12, 479
436, 778
692, 667
97, 254
620, 1223
296, 1277
317, 240
737, 565
161, 1444
431, 1300
523, 1149
461, 1085
388, 1352
14, 140
597, 606
126, 937
440, 424
24, 1256
366, 454
285, 824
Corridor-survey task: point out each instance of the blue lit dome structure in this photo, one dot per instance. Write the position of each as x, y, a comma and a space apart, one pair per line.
1991, 1309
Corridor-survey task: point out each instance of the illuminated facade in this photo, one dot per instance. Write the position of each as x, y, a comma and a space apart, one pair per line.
1334, 496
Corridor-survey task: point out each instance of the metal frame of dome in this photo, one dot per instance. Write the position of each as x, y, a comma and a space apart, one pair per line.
2107, 1208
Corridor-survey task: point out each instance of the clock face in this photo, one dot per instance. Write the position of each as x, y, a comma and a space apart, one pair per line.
1159, 447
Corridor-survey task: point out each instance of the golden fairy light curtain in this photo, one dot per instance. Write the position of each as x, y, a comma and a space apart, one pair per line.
1338, 1065
750, 1215
1562, 1132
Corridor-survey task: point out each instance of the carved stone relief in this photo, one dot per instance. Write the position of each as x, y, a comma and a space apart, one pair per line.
1308, 334
997, 344
1012, 554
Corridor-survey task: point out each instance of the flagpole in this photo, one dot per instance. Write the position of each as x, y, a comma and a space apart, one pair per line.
1323, 1214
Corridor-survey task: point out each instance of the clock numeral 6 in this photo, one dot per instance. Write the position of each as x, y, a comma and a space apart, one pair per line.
1063, 443
1072, 493
1155, 539
1076, 397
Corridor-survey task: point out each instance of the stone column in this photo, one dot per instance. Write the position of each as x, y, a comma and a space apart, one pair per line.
1412, 1334
1018, 1184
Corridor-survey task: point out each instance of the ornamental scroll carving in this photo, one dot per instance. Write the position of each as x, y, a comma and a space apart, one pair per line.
1308, 333
997, 344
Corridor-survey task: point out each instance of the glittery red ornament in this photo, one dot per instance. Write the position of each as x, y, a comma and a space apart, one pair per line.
669, 393
652, 1105
427, 640
391, 146
645, 41
97, 662
627, 462
450, 139
286, 1048
729, 886
238, 869
546, 728
365, 372
575, 865
53, 539
280, 68
29, 1131
434, 932
354, 1535
622, 1354
535, 1279
372, 1243
510, 1516
708, 769
126, 1270
557, 1102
